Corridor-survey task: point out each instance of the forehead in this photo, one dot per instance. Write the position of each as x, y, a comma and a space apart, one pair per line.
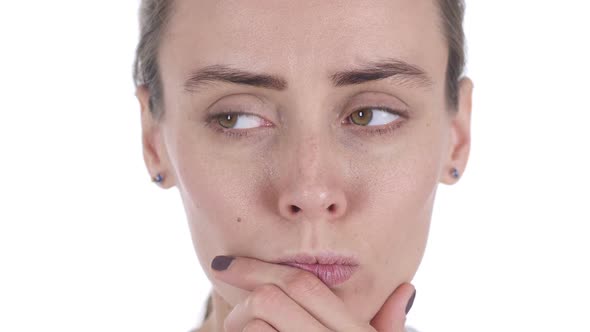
303, 36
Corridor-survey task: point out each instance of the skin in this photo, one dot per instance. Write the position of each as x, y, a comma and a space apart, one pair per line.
369, 195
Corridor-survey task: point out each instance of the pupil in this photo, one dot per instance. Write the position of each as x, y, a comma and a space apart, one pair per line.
227, 120
362, 118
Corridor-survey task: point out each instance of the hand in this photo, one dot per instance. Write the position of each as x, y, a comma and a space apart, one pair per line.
288, 299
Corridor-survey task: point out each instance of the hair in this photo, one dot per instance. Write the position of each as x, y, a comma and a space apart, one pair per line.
154, 16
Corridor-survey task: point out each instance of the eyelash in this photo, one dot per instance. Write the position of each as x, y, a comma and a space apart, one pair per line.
231, 133
379, 130
383, 129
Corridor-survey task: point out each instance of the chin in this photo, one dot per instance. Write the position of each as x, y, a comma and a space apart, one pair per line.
364, 300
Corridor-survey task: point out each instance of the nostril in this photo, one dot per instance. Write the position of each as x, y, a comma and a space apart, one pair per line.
294, 209
332, 208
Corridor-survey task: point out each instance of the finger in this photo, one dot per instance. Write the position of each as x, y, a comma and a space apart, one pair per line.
392, 315
270, 304
305, 288
257, 325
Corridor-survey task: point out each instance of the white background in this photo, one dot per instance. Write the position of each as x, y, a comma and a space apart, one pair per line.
88, 243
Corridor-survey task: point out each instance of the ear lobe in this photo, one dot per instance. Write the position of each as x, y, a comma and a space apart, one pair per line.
153, 147
460, 133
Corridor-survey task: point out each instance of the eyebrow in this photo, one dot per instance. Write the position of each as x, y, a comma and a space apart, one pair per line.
406, 73
223, 73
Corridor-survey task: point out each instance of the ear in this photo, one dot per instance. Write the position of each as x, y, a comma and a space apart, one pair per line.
460, 133
154, 150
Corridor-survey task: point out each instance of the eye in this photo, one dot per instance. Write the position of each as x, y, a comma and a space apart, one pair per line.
374, 116
379, 120
238, 121
236, 124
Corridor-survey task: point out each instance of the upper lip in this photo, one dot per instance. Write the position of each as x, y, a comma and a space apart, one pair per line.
325, 258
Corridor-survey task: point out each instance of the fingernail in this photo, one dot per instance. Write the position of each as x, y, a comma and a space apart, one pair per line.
221, 263
410, 302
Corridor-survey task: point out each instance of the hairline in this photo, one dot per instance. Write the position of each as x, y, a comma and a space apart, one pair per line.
451, 79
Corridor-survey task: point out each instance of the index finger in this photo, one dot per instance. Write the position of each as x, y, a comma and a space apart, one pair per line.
304, 287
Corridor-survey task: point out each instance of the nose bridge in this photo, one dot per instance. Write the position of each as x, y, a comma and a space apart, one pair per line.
312, 190
310, 152
308, 155
309, 134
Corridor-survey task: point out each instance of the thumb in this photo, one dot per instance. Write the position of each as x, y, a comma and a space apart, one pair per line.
392, 315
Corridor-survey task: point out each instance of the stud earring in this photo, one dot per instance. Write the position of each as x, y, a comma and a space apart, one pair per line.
158, 178
454, 173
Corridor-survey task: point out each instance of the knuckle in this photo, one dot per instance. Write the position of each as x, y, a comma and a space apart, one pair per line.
303, 283
231, 320
263, 299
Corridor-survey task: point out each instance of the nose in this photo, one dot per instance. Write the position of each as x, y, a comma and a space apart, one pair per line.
312, 202
313, 187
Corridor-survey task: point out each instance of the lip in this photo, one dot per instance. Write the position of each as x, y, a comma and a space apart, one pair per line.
332, 269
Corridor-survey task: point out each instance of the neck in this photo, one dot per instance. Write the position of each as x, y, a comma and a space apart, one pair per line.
219, 311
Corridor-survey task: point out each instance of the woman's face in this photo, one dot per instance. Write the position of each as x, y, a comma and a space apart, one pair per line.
343, 133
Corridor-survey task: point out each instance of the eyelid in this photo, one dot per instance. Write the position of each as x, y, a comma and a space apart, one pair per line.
378, 129
395, 110
399, 112
211, 121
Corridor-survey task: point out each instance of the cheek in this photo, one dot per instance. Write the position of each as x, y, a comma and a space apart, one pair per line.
406, 197
395, 246
214, 194
400, 204
218, 203
214, 197
404, 200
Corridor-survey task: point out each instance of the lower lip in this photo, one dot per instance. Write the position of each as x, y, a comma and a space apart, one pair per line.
329, 274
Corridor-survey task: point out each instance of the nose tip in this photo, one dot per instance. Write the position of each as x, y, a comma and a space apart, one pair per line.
313, 204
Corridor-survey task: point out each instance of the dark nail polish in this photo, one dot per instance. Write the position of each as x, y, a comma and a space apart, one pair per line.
410, 302
221, 263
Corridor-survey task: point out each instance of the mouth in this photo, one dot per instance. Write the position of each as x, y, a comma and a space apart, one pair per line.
331, 269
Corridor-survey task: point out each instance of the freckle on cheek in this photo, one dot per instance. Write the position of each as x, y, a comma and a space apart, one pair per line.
239, 219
